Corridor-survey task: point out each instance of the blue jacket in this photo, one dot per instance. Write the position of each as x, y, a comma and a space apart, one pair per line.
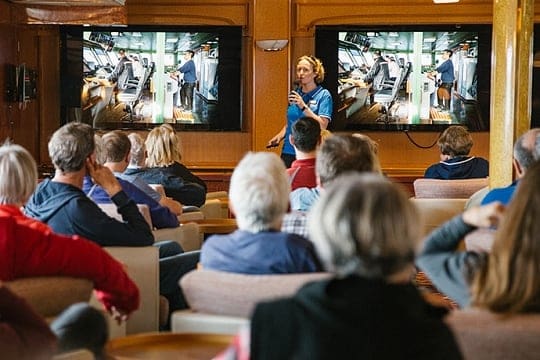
177, 181
68, 211
461, 167
161, 216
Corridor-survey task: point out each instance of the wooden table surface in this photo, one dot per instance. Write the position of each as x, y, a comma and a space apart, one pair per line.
167, 346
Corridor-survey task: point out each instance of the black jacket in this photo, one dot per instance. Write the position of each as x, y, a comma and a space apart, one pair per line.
352, 318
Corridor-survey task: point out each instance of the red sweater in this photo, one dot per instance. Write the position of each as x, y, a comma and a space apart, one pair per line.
29, 248
303, 172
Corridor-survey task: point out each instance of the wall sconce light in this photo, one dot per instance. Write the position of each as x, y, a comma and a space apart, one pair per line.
445, 1
271, 45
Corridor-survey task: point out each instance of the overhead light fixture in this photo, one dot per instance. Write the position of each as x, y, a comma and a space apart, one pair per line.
271, 45
445, 1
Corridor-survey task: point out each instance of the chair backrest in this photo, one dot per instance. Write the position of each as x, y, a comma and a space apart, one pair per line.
454, 189
434, 212
223, 293
484, 335
50, 295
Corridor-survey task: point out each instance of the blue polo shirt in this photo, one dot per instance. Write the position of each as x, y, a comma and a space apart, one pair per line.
319, 101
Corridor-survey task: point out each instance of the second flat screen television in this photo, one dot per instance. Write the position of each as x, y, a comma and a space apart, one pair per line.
411, 89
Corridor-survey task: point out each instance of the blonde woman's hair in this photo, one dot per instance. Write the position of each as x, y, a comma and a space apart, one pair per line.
364, 224
509, 280
162, 146
18, 174
317, 66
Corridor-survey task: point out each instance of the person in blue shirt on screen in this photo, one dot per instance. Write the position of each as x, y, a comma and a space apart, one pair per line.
309, 99
447, 77
189, 80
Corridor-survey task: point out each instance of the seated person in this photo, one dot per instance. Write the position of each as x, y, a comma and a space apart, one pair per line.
524, 153
61, 203
30, 248
305, 138
455, 144
338, 154
164, 167
258, 198
370, 307
137, 160
115, 147
504, 280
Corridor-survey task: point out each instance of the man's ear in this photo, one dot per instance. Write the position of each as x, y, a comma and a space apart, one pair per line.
291, 140
519, 169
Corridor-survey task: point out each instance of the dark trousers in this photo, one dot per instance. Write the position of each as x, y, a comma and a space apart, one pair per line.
186, 95
173, 264
81, 326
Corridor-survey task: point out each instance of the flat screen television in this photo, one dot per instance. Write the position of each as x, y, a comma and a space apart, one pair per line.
410, 95
134, 76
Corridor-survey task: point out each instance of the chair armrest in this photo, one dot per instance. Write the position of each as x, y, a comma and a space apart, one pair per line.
142, 266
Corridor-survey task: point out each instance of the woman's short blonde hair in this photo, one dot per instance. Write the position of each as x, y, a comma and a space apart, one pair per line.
18, 174
364, 224
162, 147
317, 66
455, 141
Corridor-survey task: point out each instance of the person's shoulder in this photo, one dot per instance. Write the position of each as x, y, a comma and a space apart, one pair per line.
296, 241
432, 171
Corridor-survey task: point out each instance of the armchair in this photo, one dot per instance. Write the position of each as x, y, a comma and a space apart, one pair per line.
223, 302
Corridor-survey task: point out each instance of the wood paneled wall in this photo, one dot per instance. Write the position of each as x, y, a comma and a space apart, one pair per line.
266, 75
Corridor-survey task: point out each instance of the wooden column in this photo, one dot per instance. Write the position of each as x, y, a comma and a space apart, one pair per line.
271, 20
525, 26
507, 84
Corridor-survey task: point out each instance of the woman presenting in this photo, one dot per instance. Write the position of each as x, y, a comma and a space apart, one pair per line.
309, 99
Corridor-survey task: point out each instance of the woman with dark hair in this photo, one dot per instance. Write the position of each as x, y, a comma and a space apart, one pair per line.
309, 99
506, 280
